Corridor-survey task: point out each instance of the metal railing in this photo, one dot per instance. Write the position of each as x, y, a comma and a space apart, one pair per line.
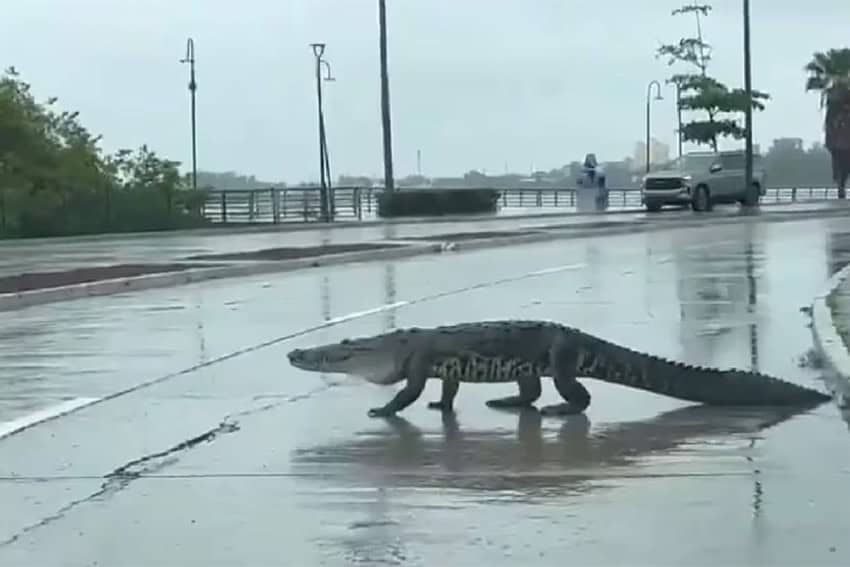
302, 204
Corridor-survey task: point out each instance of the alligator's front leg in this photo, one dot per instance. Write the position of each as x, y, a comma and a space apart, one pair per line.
529, 392
448, 396
563, 360
416, 370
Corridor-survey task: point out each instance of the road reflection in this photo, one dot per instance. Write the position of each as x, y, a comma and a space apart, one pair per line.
526, 462
717, 287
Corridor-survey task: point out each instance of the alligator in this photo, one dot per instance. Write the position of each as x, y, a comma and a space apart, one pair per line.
523, 351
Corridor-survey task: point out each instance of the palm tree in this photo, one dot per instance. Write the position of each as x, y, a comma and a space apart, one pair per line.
829, 73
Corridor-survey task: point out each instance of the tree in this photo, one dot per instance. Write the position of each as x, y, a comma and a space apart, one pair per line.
55, 179
829, 73
701, 92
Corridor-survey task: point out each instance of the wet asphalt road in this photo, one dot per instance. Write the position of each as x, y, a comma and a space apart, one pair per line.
245, 460
31, 255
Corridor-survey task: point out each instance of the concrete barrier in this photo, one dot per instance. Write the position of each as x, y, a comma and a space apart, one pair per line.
828, 342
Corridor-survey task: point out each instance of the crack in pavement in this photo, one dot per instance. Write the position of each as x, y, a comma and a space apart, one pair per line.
121, 477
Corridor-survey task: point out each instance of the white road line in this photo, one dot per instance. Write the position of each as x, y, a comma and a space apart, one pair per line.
14, 426
555, 269
358, 314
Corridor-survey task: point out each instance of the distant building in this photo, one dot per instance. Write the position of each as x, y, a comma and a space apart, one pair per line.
659, 152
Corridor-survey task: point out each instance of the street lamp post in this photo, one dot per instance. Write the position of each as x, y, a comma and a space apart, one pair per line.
679, 117
193, 86
748, 109
324, 147
318, 50
648, 115
389, 182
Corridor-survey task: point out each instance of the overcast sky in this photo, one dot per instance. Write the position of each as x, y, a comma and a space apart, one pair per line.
475, 84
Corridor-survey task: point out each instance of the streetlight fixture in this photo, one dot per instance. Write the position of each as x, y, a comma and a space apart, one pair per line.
648, 115
748, 109
328, 76
318, 51
193, 86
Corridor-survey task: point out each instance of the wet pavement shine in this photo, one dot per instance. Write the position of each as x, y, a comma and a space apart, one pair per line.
54, 254
199, 444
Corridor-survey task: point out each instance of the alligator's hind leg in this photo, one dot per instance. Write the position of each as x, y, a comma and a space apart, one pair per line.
448, 396
529, 391
563, 360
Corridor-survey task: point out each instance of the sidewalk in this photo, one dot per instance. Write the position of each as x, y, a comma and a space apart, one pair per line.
840, 308
831, 332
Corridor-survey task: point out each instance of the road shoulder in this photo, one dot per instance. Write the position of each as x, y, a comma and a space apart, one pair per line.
831, 331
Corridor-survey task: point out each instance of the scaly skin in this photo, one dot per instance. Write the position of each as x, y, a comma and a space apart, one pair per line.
524, 351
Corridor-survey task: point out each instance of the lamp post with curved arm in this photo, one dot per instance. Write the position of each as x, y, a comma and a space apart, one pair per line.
748, 111
328, 77
318, 50
648, 114
193, 86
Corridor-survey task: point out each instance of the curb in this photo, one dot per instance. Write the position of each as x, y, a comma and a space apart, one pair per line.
12, 301
540, 234
828, 343
297, 226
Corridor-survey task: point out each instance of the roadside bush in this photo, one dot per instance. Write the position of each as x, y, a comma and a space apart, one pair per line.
56, 180
436, 202
28, 215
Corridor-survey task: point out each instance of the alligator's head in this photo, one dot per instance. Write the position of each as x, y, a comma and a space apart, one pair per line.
374, 359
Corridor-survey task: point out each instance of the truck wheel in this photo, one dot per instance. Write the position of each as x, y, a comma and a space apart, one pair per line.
702, 199
653, 207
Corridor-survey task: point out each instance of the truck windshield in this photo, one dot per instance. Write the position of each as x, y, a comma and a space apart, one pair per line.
692, 162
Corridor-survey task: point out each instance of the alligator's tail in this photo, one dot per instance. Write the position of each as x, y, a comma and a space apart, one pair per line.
610, 362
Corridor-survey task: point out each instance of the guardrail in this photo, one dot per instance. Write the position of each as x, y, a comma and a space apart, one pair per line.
302, 204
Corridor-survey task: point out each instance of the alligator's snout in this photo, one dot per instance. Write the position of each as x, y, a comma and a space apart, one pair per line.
294, 354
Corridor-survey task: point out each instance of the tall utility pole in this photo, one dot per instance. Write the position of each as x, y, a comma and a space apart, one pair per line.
419, 162
324, 148
389, 184
193, 86
657, 97
679, 117
748, 89
318, 50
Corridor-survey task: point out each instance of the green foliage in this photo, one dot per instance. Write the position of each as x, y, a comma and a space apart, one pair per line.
829, 73
56, 180
699, 92
436, 202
